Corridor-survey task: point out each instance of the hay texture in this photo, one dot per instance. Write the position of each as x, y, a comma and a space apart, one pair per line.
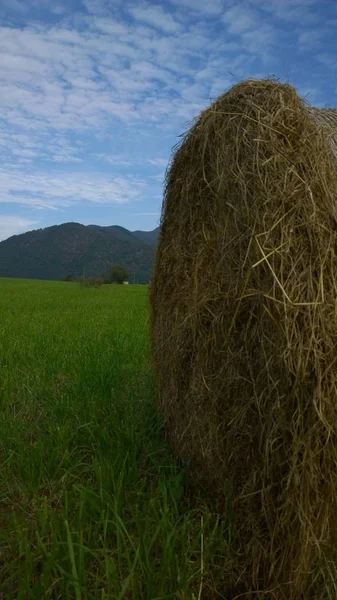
244, 330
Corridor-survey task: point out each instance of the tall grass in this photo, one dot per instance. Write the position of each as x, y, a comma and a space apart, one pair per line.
92, 505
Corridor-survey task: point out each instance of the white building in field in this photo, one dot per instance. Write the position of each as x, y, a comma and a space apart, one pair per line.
125, 283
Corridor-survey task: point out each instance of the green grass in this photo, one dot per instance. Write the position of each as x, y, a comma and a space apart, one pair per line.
92, 504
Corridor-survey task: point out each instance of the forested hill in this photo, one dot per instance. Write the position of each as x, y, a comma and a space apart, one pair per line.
75, 249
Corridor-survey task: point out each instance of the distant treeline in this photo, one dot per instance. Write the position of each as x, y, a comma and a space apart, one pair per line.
115, 274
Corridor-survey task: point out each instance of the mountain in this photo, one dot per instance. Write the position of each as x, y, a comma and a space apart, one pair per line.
149, 237
75, 249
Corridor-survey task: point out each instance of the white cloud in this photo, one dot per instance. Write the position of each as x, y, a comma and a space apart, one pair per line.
114, 159
158, 162
156, 17
329, 60
14, 146
297, 11
14, 5
54, 191
13, 225
259, 41
309, 39
255, 33
97, 83
100, 7
160, 177
212, 7
239, 19
80, 80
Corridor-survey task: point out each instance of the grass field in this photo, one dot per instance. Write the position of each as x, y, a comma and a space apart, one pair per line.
92, 504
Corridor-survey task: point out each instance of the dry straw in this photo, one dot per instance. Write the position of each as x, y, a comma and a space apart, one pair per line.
244, 331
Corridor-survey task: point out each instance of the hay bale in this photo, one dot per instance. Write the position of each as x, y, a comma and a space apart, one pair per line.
244, 331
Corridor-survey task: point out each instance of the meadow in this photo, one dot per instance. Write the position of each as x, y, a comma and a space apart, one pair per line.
92, 503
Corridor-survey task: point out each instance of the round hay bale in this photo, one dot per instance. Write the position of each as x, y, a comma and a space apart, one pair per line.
244, 330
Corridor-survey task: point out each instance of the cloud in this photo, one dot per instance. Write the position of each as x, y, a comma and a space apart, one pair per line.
260, 41
16, 146
61, 79
60, 90
212, 7
65, 88
158, 162
61, 190
111, 70
109, 86
155, 16
239, 19
255, 33
329, 60
14, 5
310, 39
160, 177
114, 159
100, 7
13, 225
296, 11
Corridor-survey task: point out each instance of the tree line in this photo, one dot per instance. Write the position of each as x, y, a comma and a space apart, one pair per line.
115, 274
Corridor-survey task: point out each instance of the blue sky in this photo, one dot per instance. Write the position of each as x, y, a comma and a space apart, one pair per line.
94, 93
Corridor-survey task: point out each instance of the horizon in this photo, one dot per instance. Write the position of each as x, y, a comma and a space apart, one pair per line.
95, 94
82, 225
